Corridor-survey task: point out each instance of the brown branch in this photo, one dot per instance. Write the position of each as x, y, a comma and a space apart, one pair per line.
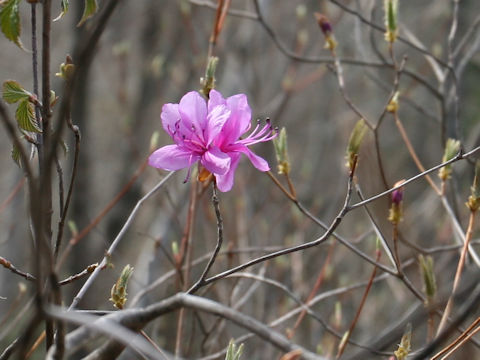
8, 265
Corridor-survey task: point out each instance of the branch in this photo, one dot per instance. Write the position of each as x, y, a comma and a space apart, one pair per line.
116, 241
136, 319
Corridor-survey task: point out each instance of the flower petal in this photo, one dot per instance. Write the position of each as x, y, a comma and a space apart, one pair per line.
216, 161
170, 117
239, 121
193, 111
172, 157
225, 182
257, 161
215, 120
215, 99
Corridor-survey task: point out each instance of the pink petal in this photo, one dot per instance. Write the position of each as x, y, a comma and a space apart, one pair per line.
170, 117
193, 111
216, 161
239, 121
215, 99
225, 182
257, 161
172, 157
215, 121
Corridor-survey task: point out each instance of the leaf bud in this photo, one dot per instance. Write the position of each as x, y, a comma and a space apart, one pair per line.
66, 69
208, 82
355, 141
473, 202
119, 290
451, 149
392, 106
404, 347
301, 11
281, 152
428, 274
391, 14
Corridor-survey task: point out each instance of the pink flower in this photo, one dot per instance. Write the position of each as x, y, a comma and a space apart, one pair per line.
210, 133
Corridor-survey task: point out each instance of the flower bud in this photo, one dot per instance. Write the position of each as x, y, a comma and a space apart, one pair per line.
391, 13
281, 152
355, 141
327, 30
119, 290
396, 210
451, 149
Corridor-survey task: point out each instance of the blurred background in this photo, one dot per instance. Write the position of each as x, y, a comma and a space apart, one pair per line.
154, 52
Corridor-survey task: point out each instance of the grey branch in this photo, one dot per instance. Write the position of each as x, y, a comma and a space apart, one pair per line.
136, 319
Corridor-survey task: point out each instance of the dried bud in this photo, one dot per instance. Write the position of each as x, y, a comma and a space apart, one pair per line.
428, 274
355, 141
119, 290
451, 149
396, 210
327, 30
473, 202
208, 82
404, 347
281, 152
391, 13
91, 268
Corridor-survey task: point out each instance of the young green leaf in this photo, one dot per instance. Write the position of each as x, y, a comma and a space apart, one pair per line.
89, 10
25, 116
64, 5
16, 156
13, 92
10, 21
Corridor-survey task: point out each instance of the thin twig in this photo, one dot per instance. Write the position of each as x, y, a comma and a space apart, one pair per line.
65, 206
8, 265
345, 340
85, 231
458, 273
459, 156
116, 241
218, 246
338, 219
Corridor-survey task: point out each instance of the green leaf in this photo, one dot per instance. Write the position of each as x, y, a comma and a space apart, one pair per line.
89, 10
10, 21
25, 116
64, 5
16, 156
13, 92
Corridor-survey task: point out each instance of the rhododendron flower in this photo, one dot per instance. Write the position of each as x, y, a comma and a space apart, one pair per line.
210, 132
